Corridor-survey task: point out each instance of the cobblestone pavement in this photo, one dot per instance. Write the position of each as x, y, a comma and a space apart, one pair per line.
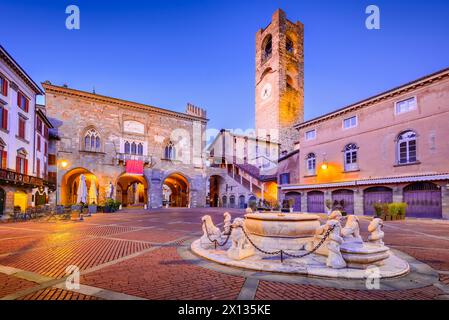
134, 254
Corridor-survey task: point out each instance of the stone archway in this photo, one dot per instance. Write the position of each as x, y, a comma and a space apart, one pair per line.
177, 188
70, 182
132, 190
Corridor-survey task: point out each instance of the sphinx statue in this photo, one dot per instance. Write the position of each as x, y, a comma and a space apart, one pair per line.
210, 232
375, 228
334, 258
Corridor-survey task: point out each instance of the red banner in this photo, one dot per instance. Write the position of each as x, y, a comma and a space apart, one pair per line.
134, 167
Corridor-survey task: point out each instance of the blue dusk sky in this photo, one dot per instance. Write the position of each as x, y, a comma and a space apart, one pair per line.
167, 53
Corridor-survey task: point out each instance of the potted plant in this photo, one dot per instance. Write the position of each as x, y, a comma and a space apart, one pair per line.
378, 209
402, 210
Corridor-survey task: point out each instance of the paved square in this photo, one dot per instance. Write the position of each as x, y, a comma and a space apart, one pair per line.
137, 254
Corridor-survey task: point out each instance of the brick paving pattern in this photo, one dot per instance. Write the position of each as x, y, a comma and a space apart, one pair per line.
116, 245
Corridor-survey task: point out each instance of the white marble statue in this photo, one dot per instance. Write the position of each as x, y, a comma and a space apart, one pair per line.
335, 215
110, 191
351, 231
375, 228
240, 248
334, 258
210, 232
248, 210
227, 223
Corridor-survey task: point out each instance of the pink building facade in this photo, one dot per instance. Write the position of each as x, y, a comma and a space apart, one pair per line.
390, 147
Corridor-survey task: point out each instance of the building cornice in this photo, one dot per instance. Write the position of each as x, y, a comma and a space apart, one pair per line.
370, 181
416, 84
5, 56
53, 89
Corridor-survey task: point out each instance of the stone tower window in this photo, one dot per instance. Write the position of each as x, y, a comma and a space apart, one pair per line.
92, 141
267, 47
289, 45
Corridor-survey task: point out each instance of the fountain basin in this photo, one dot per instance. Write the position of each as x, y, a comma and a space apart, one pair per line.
278, 225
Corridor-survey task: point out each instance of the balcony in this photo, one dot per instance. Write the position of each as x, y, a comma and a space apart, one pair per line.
9, 176
123, 157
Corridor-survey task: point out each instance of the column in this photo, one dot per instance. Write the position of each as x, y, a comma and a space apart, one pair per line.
358, 202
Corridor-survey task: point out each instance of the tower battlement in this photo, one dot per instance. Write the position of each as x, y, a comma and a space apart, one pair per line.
196, 111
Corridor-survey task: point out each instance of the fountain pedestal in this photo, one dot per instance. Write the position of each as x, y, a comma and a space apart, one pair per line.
277, 231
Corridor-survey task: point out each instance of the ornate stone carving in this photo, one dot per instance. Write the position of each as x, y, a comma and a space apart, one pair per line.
240, 247
227, 223
351, 231
375, 228
210, 232
334, 258
248, 210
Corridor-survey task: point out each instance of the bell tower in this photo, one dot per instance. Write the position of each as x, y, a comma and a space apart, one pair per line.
280, 80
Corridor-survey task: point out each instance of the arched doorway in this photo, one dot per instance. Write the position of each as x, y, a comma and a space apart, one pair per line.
242, 204
2, 201
296, 197
215, 181
70, 183
315, 201
21, 200
132, 190
232, 201
423, 200
177, 189
225, 201
375, 195
344, 198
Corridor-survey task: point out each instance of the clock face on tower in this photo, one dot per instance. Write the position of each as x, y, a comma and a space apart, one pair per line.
266, 91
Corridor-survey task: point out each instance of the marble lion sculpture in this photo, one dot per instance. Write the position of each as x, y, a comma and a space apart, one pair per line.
238, 238
375, 228
335, 259
210, 231
240, 246
227, 223
351, 231
248, 210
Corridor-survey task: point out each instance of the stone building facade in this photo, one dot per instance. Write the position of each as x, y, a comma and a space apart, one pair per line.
23, 183
390, 147
134, 153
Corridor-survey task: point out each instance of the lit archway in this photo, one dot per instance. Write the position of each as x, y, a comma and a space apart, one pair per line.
215, 186
70, 183
177, 190
21, 200
131, 190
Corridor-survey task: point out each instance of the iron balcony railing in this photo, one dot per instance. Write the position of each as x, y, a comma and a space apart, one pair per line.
123, 157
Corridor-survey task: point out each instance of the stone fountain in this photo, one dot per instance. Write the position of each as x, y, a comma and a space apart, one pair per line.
298, 243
